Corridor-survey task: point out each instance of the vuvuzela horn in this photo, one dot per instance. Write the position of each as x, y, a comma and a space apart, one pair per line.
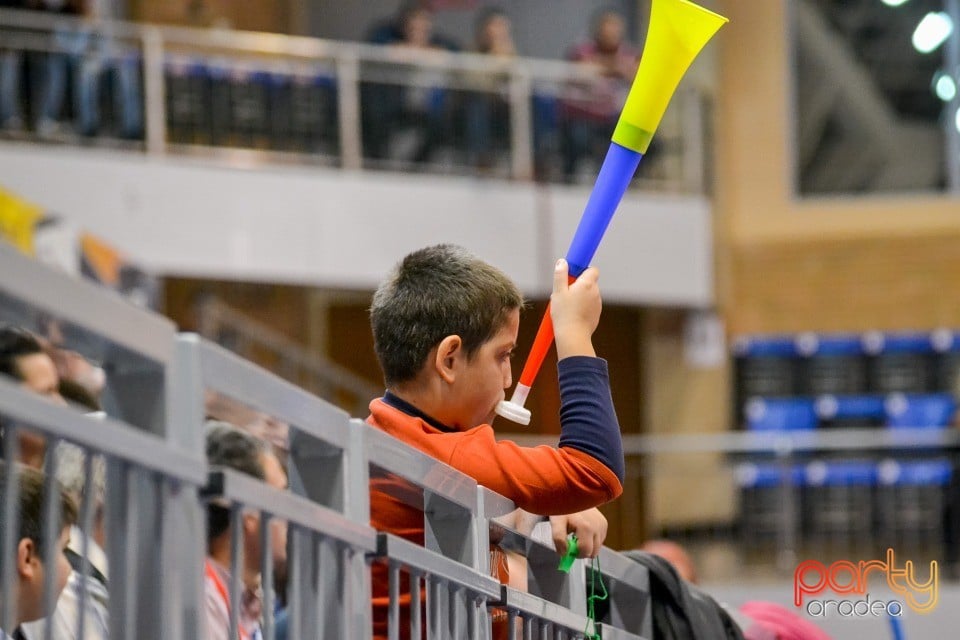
677, 31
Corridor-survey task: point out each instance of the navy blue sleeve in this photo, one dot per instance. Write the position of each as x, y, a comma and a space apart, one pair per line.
588, 421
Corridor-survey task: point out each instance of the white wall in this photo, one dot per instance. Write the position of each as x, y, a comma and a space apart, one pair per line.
338, 229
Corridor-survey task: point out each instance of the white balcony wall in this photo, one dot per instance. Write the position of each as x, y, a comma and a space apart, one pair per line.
327, 227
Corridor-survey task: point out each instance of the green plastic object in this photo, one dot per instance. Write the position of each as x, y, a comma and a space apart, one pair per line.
567, 560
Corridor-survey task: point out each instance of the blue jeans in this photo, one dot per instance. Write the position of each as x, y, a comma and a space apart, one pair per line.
10, 65
127, 96
68, 58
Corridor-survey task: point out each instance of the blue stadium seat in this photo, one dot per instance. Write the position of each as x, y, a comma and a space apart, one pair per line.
833, 364
920, 410
910, 504
840, 473
780, 414
901, 362
851, 411
774, 346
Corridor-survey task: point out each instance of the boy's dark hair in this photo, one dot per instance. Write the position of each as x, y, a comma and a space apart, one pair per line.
434, 293
31, 509
228, 446
16, 343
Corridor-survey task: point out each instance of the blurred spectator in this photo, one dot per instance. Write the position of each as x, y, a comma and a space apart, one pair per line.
70, 473
30, 571
258, 424
416, 99
675, 555
589, 110
230, 447
11, 67
76, 371
487, 110
80, 64
23, 358
394, 29
67, 58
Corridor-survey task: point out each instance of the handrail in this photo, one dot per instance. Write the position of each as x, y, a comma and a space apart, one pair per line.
850, 439
216, 315
156, 490
273, 44
518, 80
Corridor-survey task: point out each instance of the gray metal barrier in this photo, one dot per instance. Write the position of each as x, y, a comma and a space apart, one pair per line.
321, 595
142, 567
135, 349
134, 346
158, 483
557, 601
325, 466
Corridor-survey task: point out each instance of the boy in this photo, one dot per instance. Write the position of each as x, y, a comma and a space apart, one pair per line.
445, 326
29, 569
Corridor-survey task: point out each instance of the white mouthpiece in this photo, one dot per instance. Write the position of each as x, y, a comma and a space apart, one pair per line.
513, 409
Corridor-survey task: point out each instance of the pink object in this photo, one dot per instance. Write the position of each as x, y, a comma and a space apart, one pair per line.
772, 620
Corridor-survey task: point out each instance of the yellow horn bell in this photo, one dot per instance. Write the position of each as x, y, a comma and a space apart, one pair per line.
678, 30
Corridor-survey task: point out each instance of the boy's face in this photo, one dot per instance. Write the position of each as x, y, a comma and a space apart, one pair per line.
32, 574
481, 381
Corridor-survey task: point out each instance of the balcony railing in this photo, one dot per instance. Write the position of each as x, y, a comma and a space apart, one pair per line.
265, 98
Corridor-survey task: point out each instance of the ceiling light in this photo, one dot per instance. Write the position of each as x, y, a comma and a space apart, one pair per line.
893, 3
956, 120
932, 31
944, 86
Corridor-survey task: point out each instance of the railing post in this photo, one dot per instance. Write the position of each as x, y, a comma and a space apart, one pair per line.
348, 110
521, 125
155, 106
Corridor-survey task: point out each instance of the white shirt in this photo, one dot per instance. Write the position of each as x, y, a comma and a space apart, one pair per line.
96, 619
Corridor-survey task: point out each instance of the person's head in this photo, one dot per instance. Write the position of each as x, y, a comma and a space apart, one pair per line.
608, 29
73, 367
416, 24
675, 555
30, 571
71, 473
228, 446
22, 357
493, 31
445, 325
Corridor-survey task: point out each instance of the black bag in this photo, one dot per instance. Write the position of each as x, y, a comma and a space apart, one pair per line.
681, 611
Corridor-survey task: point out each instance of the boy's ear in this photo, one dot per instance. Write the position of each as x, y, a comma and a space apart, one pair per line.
27, 560
449, 351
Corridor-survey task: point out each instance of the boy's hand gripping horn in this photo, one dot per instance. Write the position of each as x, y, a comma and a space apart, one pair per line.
678, 30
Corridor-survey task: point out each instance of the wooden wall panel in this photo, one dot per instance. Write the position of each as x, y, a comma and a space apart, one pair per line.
785, 264
910, 282
251, 15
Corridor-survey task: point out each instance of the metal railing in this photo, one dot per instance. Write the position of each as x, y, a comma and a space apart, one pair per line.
265, 97
158, 485
245, 336
750, 505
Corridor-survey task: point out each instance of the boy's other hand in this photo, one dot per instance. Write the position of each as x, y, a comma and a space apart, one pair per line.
590, 527
575, 311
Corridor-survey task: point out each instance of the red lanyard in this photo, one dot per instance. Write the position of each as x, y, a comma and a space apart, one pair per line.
222, 590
